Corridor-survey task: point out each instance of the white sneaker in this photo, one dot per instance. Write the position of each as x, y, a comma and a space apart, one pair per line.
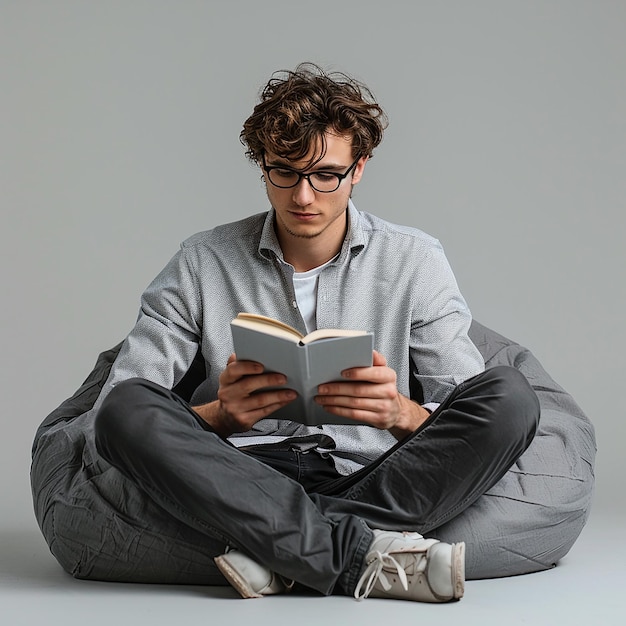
249, 578
408, 567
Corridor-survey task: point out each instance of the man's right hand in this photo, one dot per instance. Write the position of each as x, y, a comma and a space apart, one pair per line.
240, 402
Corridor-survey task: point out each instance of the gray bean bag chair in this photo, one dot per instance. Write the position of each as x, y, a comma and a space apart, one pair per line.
100, 526
530, 519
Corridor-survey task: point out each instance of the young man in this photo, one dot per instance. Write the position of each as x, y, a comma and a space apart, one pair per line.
338, 509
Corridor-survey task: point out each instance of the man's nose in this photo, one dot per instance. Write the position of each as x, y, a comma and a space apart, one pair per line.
303, 193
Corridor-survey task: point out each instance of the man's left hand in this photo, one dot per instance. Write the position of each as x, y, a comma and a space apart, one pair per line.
370, 395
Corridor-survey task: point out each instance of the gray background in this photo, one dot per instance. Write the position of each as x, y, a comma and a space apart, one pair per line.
119, 138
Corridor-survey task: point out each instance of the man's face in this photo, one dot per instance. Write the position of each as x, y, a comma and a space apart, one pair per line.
307, 214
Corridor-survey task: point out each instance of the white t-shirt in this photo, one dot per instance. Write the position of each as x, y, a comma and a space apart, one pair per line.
305, 286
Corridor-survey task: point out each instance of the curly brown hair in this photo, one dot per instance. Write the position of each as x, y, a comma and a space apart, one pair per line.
299, 107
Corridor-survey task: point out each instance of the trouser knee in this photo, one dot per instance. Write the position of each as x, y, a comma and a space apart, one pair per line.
138, 417
120, 419
514, 405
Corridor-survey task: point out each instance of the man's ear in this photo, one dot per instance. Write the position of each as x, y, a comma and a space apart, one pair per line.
358, 170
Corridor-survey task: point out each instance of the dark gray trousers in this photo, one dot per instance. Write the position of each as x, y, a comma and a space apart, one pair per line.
295, 515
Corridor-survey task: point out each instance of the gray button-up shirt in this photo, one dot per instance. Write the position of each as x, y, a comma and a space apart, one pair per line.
392, 280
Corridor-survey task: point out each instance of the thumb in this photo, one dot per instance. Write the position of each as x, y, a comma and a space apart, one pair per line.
378, 359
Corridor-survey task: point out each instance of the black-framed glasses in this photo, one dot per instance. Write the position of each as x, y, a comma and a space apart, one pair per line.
322, 181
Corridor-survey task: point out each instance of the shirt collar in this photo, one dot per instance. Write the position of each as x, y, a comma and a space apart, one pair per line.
354, 242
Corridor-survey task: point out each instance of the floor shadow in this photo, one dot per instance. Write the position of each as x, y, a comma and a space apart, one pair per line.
26, 562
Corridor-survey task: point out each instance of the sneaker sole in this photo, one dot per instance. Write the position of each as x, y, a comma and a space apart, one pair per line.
458, 570
234, 578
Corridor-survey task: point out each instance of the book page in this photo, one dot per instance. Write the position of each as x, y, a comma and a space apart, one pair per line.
330, 333
271, 326
268, 325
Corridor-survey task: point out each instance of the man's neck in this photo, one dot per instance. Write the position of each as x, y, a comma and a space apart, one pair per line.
303, 262
307, 253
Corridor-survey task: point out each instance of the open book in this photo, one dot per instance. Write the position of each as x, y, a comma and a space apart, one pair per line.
306, 360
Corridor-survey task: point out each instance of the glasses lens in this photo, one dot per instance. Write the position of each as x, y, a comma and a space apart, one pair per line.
323, 181
283, 178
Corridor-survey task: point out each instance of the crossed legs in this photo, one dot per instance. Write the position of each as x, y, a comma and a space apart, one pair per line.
320, 538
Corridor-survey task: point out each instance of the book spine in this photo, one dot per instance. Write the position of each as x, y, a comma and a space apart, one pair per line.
305, 370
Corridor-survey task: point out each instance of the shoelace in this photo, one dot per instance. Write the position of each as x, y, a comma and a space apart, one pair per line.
374, 571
